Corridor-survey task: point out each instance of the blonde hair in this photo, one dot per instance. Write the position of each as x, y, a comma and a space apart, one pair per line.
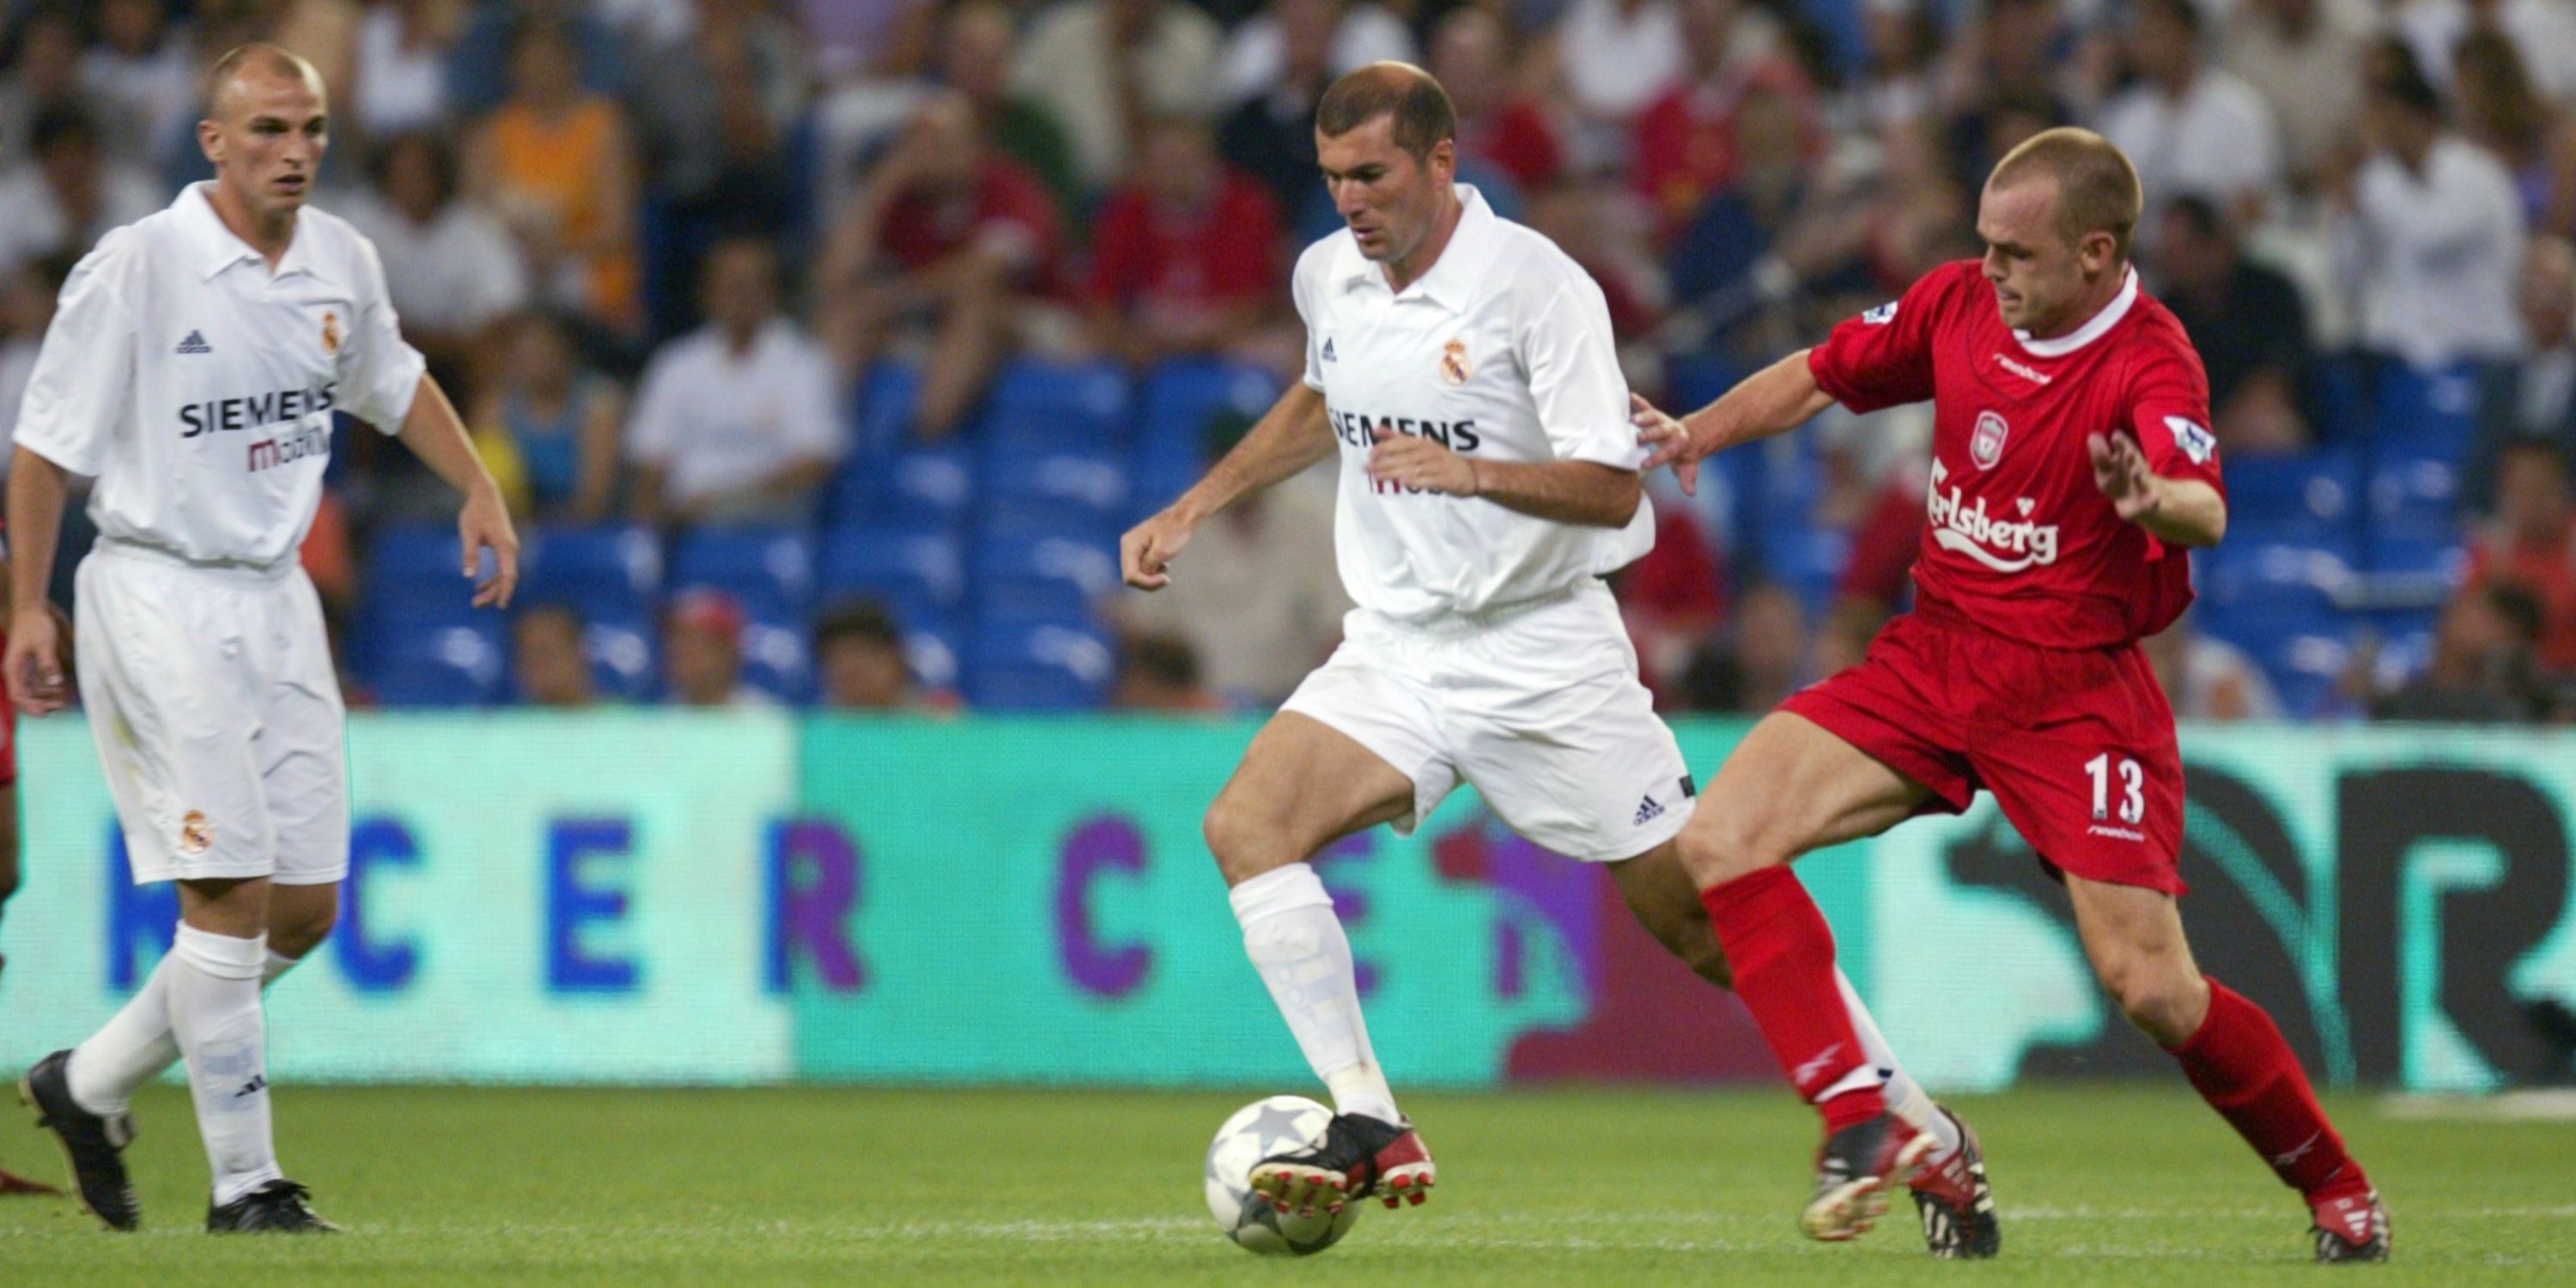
2097, 188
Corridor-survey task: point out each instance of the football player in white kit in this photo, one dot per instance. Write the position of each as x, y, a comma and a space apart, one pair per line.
192, 368
1464, 367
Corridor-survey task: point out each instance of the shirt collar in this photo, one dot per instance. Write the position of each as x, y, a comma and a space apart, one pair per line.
2091, 331
214, 247
1451, 283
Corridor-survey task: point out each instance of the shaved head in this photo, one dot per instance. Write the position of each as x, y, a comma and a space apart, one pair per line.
255, 62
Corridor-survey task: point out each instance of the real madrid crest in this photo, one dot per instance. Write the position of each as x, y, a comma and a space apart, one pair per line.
195, 833
1986, 445
1453, 363
330, 332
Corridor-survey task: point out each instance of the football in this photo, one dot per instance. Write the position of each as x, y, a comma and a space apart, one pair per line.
1255, 1132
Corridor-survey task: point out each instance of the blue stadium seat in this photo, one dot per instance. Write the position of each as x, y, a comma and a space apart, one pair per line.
769, 570
2426, 413
1039, 576
2311, 494
934, 647
606, 571
1090, 481
777, 656
909, 568
2421, 491
624, 651
2259, 594
918, 485
418, 557
1043, 404
2305, 669
1807, 561
882, 423
455, 663
1180, 397
1039, 668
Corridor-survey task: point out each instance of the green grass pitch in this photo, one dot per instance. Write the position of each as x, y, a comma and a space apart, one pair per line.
2111, 1185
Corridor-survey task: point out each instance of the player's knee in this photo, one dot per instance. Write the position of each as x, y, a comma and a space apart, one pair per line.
2162, 1003
1244, 843
1720, 846
293, 934
1700, 952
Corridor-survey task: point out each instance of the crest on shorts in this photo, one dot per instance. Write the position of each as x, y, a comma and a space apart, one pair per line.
1453, 363
1986, 445
330, 332
195, 833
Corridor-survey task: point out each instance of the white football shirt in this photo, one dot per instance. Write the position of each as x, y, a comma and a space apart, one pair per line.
1503, 352
198, 387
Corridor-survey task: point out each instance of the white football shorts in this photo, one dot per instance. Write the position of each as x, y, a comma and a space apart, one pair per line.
217, 717
1541, 711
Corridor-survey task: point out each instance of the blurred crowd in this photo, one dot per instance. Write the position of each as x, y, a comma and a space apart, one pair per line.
657, 250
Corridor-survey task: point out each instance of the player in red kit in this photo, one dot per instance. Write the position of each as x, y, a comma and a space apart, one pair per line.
2072, 470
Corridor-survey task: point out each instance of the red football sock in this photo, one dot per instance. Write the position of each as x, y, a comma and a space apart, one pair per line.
1783, 957
2239, 1063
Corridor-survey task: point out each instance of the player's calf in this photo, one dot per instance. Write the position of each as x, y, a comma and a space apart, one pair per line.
1358, 1156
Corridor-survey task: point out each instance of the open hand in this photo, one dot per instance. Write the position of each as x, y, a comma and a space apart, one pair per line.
1667, 442
2120, 470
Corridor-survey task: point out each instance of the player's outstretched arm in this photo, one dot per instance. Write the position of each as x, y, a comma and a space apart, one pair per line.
2182, 512
434, 433
1774, 400
1584, 492
1292, 435
33, 663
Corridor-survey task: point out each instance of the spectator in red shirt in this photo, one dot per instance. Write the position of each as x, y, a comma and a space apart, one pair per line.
945, 234
1471, 57
1685, 142
1185, 257
2532, 544
1674, 600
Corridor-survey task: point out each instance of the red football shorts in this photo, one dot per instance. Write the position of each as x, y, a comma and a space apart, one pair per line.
2076, 744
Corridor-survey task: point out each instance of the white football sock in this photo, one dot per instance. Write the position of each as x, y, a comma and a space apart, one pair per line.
1297, 944
214, 985
1905, 1097
136, 1043
127, 1051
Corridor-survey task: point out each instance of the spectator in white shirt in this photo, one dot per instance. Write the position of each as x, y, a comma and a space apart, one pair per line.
739, 420
140, 77
1257, 52
2544, 30
2188, 127
27, 295
1101, 66
1620, 55
2431, 233
401, 57
453, 270
2305, 58
70, 194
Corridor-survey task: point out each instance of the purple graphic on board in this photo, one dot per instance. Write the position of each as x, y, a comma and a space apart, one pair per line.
1105, 844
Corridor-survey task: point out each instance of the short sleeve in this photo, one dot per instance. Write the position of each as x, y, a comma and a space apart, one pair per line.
1301, 290
2169, 412
84, 372
379, 369
1575, 381
1884, 357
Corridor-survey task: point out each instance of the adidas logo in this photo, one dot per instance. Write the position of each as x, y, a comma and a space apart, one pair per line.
1647, 812
257, 1084
196, 343
1328, 349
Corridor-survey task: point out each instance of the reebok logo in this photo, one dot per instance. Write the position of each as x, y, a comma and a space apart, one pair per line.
195, 343
1648, 812
257, 1084
1328, 348
2284, 1160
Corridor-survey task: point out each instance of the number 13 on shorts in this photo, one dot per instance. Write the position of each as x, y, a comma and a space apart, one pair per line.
2131, 791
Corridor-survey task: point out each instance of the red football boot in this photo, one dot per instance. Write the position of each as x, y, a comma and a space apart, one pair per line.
1853, 1173
1357, 1157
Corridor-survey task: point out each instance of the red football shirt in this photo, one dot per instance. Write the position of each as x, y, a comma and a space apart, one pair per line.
1150, 256
2018, 539
1008, 211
